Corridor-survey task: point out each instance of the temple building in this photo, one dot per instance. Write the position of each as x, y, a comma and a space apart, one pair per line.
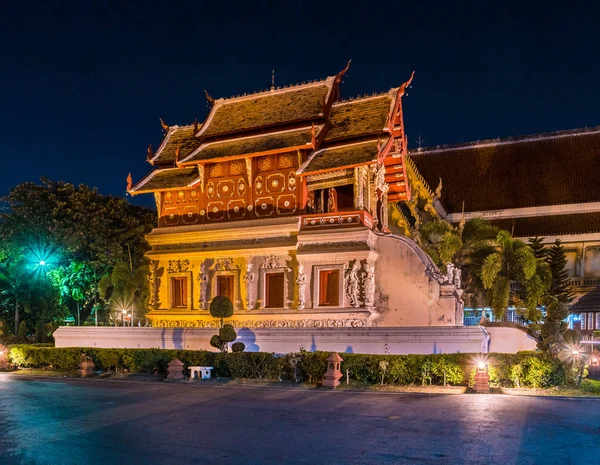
302, 208
543, 185
279, 200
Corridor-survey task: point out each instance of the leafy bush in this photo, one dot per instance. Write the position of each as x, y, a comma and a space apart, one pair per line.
238, 347
525, 369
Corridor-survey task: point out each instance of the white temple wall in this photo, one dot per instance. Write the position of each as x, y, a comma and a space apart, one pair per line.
405, 294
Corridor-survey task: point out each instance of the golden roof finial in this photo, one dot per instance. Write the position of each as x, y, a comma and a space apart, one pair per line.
209, 98
129, 182
164, 126
150, 155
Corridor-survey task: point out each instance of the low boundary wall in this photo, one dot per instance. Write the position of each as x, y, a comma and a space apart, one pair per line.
377, 340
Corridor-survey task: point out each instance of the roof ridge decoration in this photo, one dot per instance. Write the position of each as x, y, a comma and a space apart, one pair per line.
362, 98
278, 89
507, 140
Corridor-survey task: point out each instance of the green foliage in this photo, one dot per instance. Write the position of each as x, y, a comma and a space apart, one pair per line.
216, 342
22, 332
527, 369
238, 347
560, 287
89, 234
512, 260
126, 288
227, 333
221, 307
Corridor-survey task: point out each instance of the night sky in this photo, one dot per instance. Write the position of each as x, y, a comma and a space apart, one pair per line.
82, 84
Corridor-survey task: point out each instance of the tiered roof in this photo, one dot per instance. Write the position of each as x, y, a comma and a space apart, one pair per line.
531, 171
169, 178
306, 116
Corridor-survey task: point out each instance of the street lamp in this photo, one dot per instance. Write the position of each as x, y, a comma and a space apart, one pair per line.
123, 317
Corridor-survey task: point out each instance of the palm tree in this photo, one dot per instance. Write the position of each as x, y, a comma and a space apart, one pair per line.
512, 261
75, 282
465, 245
126, 288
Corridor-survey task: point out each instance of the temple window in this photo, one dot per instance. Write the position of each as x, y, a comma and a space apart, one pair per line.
590, 324
179, 292
274, 290
225, 286
597, 320
331, 200
329, 288
582, 321
345, 197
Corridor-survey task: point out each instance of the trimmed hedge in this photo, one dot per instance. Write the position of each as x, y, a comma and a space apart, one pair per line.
525, 369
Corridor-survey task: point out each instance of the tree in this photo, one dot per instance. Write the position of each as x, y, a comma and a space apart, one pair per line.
560, 287
514, 261
126, 288
85, 227
75, 283
537, 246
465, 245
221, 307
554, 327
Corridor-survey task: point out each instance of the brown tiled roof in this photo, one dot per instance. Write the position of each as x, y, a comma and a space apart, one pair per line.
254, 144
182, 136
366, 116
267, 109
551, 225
589, 302
166, 179
549, 169
342, 156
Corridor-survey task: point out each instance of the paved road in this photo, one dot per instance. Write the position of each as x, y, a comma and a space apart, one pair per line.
95, 422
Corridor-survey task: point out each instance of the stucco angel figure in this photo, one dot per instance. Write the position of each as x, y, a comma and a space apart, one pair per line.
353, 284
249, 278
203, 285
301, 286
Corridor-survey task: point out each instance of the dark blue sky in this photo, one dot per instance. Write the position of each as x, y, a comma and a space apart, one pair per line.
82, 84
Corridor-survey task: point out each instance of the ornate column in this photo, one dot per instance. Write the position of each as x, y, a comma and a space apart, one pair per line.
203, 286
301, 286
152, 284
369, 284
249, 279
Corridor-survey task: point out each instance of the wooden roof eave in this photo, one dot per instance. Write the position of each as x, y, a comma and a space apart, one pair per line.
307, 146
337, 168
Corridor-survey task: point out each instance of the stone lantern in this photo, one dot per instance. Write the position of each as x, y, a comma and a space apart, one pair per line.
482, 378
86, 365
175, 370
333, 373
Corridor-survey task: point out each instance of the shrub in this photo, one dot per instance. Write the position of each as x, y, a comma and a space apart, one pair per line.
525, 369
238, 347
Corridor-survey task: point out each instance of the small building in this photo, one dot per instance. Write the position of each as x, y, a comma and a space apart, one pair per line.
585, 313
280, 201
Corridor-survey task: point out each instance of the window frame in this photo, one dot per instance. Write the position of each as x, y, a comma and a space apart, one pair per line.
317, 285
262, 298
187, 275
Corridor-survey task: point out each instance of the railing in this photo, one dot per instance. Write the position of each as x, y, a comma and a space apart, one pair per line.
337, 219
585, 282
511, 316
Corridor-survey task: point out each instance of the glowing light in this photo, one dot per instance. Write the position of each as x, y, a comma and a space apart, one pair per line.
594, 360
481, 365
42, 258
42, 263
124, 312
575, 353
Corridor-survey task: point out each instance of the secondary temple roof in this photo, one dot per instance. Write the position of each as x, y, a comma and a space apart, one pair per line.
170, 178
551, 225
545, 169
355, 154
590, 302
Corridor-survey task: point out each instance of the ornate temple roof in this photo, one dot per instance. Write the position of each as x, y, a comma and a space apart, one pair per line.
358, 153
270, 142
170, 178
360, 117
177, 136
545, 169
272, 108
551, 225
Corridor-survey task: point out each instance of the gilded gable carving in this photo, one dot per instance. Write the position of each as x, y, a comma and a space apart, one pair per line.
216, 170
286, 161
264, 163
236, 167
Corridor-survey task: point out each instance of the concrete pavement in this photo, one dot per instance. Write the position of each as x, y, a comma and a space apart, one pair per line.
95, 422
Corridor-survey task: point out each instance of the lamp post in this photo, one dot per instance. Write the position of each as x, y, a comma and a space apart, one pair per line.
123, 313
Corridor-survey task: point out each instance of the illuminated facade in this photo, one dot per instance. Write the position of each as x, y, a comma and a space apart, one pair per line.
280, 200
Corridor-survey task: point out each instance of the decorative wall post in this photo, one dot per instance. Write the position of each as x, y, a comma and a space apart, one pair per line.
353, 284
152, 285
203, 286
301, 286
249, 279
369, 285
